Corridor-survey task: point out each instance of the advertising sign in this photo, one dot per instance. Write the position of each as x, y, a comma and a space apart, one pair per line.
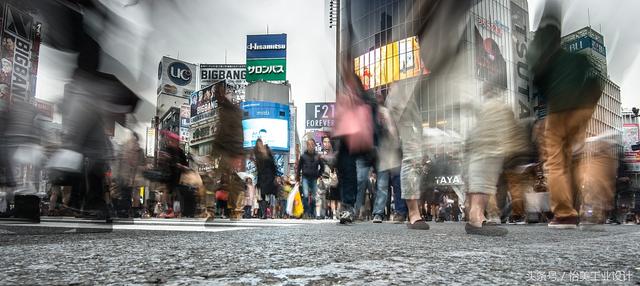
185, 121
520, 28
234, 74
390, 63
585, 42
176, 77
20, 38
271, 46
45, 109
203, 102
268, 121
491, 65
151, 142
267, 70
319, 115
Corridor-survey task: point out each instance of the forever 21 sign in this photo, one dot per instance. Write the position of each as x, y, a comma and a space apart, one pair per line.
319, 115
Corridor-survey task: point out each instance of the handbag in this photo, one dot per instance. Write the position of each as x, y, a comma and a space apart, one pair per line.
354, 122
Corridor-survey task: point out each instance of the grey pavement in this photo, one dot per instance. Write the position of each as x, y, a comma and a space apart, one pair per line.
311, 253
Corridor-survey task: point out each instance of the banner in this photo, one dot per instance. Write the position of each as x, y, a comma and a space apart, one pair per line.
185, 121
269, 46
521, 86
151, 142
203, 102
267, 70
319, 115
234, 74
20, 38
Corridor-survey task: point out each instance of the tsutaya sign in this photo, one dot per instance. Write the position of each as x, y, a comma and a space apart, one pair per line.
449, 180
520, 28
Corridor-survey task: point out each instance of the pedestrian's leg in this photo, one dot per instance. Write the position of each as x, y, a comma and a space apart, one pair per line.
517, 185
558, 175
313, 191
400, 205
362, 169
305, 195
382, 192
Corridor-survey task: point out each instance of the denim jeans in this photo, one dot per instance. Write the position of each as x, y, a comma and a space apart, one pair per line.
400, 205
309, 189
362, 169
382, 192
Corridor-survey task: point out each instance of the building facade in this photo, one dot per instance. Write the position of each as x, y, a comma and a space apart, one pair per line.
379, 37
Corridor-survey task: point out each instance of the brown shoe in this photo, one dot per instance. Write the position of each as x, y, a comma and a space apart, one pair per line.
564, 223
419, 224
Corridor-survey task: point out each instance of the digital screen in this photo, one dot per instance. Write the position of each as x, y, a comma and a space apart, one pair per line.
273, 132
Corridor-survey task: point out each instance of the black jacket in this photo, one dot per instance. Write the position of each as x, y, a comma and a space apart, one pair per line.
310, 166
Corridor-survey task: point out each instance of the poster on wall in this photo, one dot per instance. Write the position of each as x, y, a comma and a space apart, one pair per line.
491, 65
203, 102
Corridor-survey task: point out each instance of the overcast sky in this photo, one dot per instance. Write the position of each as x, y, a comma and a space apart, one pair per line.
200, 31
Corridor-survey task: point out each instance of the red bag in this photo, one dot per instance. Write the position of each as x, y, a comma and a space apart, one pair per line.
354, 122
222, 195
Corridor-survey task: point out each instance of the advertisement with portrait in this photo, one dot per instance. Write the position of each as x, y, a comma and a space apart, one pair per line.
268, 121
185, 121
176, 77
19, 53
491, 65
234, 74
203, 102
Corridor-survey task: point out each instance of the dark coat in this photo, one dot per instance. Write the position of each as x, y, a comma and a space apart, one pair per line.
267, 173
310, 166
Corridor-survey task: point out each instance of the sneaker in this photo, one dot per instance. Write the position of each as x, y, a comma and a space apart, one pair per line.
564, 223
517, 220
398, 218
346, 215
377, 218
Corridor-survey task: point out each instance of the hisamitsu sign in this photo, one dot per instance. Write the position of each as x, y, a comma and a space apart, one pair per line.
320, 114
270, 46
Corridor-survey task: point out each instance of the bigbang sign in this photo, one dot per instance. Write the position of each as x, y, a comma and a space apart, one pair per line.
20, 48
234, 75
203, 102
268, 121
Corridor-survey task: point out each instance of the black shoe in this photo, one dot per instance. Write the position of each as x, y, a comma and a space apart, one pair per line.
346, 216
419, 224
377, 218
486, 230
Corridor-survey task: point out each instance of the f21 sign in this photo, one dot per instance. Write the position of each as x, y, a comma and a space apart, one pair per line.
320, 114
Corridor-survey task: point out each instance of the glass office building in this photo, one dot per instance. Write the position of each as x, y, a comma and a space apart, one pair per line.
379, 39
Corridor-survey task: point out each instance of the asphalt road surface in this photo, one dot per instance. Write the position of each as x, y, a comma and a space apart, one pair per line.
278, 252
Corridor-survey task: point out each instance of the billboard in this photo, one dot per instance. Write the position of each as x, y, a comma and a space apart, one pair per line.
523, 98
266, 57
390, 63
45, 109
203, 102
630, 137
491, 65
151, 142
267, 70
585, 42
270, 46
319, 115
176, 77
185, 121
20, 39
292, 133
234, 74
268, 121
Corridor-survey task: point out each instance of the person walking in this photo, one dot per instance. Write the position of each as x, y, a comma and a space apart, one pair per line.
572, 90
267, 173
310, 167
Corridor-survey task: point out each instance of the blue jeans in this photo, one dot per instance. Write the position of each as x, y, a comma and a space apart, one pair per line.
362, 169
309, 189
400, 205
382, 192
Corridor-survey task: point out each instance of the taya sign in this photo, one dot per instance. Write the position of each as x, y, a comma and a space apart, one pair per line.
320, 114
267, 70
449, 180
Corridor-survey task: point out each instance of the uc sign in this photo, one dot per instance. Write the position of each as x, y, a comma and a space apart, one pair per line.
319, 115
179, 73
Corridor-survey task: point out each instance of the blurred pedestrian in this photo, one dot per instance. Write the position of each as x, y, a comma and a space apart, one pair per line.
267, 173
249, 197
570, 85
310, 167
